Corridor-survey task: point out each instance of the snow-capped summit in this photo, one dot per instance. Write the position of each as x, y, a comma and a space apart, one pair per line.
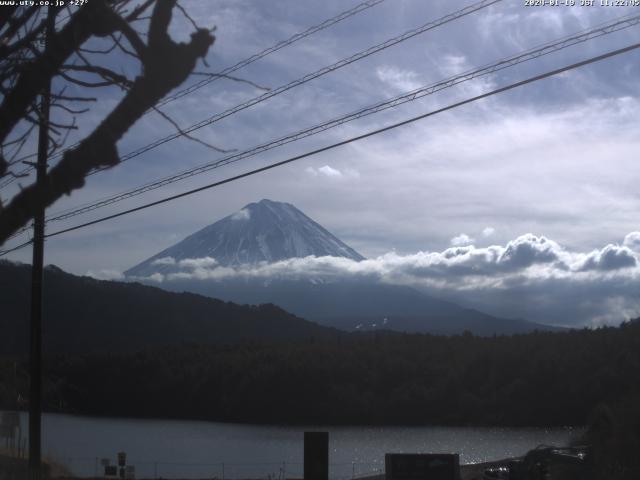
263, 231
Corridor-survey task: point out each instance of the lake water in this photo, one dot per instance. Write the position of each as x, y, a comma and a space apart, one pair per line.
195, 449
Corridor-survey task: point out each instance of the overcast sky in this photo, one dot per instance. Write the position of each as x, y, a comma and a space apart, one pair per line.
555, 160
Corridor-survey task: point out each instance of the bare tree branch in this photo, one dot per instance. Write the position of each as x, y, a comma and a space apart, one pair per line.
166, 65
84, 83
187, 16
135, 14
103, 72
186, 135
6, 14
231, 77
69, 110
58, 145
74, 99
15, 24
101, 52
118, 41
95, 18
133, 38
7, 50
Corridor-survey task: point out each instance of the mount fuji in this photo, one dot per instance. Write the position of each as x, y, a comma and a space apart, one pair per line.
269, 231
265, 231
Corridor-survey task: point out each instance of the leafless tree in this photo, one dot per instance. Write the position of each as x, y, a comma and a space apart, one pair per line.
26, 66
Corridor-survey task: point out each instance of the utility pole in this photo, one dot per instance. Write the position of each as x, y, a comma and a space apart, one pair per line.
35, 351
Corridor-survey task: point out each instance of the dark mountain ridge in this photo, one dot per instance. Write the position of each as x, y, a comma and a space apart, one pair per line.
82, 314
361, 305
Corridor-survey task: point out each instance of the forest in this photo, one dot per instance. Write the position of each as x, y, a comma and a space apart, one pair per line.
536, 379
119, 316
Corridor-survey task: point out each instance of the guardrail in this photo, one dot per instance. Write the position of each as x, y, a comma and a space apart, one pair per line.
91, 467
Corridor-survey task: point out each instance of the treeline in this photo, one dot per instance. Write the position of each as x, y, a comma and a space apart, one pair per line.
85, 315
537, 379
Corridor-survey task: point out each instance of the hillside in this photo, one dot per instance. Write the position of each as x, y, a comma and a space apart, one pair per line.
82, 314
361, 305
537, 379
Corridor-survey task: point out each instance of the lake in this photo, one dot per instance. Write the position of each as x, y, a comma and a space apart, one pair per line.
196, 449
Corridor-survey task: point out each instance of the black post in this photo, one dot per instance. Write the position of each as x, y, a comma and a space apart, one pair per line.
35, 356
316, 455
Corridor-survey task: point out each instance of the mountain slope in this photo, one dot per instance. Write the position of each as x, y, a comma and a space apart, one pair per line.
264, 231
361, 305
82, 314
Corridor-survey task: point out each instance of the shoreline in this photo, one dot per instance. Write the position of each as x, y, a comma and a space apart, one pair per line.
315, 426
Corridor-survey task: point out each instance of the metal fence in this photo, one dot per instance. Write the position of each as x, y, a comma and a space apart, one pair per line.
93, 468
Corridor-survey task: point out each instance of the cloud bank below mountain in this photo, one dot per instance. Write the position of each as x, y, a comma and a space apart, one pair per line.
530, 277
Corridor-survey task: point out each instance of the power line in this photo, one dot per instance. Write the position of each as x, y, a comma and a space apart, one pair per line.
311, 76
226, 71
356, 138
341, 143
294, 38
532, 54
300, 81
18, 247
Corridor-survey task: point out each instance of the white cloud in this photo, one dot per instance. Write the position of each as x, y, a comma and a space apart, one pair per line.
491, 22
462, 239
243, 214
528, 250
632, 240
331, 172
611, 257
164, 261
195, 263
401, 80
530, 277
488, 232
453, 64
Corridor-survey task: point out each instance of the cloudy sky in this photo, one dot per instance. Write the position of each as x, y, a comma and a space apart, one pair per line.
549, 166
